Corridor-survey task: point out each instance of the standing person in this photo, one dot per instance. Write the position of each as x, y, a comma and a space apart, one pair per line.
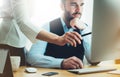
43, 54
16, 27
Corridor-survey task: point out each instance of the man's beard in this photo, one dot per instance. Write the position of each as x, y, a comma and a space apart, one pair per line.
68, 16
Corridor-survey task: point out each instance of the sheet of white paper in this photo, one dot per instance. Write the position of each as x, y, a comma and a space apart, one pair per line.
3, 56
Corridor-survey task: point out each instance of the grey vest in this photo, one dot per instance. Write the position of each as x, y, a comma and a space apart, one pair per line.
62, 51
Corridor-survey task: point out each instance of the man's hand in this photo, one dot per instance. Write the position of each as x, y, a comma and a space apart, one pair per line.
70, 37
72, 63
76, 23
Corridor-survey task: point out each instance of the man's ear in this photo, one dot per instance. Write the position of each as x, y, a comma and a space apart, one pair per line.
62, 6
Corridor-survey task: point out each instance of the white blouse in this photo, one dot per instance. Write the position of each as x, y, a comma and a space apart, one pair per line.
15, 24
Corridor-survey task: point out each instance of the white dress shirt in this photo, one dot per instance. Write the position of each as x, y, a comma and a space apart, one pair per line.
15, 24
36, 56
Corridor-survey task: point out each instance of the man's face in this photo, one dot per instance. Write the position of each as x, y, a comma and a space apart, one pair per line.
73, 9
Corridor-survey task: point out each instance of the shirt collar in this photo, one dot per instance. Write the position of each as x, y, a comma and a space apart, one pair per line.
65, 26
63, 23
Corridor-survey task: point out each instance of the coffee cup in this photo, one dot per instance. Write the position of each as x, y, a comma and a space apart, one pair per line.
15, 62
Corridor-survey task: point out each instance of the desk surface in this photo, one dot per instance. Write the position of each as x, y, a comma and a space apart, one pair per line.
62, 73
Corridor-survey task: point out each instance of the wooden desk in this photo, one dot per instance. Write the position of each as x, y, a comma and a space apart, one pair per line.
62, 73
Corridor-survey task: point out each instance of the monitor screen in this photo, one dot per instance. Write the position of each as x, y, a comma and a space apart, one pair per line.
105, 44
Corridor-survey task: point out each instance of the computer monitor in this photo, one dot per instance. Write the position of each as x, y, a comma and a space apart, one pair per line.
105, 44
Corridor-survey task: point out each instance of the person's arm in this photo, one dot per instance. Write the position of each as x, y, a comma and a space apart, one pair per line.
70, 37
21, 18
21, 15
36, 56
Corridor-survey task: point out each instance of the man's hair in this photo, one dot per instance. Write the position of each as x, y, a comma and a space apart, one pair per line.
63, 1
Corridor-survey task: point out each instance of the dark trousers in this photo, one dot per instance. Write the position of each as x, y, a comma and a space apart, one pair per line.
15, 52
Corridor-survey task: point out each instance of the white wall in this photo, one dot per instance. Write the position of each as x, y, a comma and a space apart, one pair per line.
88, 12
46, 10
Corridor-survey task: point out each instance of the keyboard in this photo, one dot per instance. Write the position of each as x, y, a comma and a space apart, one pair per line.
92, 70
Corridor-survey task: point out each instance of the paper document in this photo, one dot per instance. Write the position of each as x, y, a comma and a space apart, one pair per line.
3, 56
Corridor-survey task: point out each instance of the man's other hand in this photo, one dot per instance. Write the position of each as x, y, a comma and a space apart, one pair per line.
76, 23
72, 63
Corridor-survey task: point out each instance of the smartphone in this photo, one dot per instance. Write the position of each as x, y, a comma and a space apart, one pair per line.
50, 73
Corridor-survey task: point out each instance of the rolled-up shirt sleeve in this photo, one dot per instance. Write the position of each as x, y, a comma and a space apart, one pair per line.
21, 16
40, 60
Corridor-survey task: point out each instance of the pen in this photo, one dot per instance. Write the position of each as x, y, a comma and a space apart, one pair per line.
86, 34
70, 30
